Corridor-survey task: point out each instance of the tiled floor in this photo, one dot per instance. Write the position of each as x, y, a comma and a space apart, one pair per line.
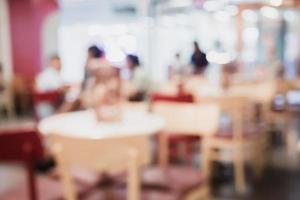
281, 181
277, 184
10, 175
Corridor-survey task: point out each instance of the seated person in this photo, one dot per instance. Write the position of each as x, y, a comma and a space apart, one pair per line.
102, 92
139, 82
49, 80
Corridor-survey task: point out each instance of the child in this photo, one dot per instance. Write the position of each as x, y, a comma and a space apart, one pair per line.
102, 94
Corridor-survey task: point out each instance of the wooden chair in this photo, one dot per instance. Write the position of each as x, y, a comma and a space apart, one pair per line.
23, 146
7, 101
261, 91
175, 139
107, 156
190, 119
135, 106
193, 84
168, 88
21, 88
243, 142
184, 120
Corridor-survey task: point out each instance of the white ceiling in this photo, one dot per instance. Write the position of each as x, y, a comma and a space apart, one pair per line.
96, 10
108, 10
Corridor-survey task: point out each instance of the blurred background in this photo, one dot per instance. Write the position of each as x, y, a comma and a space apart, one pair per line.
150, 66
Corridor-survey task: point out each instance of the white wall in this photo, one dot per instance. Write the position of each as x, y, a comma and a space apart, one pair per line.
50, 37
5, 41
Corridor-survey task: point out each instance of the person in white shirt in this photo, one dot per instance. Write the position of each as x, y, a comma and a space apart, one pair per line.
50, 78
177, 67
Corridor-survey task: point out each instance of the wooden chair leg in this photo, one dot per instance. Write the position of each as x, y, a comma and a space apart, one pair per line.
202, 193
134, 177
68, 187
258, 158
189, 152
239, 170
206, 161
163, 153
10, 109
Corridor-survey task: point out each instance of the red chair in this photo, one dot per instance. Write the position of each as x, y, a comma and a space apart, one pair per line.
184, 98
179, 138
23, 146
53, 97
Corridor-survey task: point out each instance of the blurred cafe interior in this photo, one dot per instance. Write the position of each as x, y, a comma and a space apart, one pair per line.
149, 99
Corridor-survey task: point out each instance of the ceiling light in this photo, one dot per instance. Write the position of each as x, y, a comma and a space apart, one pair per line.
211, 6
269, 12
232, 10
222, 16
249, 15
276, 2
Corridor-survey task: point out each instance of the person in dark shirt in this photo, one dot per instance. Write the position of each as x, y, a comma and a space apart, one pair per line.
198, 60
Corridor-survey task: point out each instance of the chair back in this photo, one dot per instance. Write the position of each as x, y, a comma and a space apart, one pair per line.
168, 88
24, 146
20, 145
183, 98
239, 111
262, 92
7, 98
189, 118
194, 83
135, 106
108, 155
53, 97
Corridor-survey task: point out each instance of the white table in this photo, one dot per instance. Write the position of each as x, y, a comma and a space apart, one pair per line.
83, 124
134, 130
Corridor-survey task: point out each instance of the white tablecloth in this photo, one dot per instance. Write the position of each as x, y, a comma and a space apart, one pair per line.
83, 124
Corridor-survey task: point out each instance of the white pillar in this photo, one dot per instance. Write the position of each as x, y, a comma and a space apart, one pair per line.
5, 40
143, 33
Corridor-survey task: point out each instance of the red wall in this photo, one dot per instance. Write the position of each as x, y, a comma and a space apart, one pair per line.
26, 20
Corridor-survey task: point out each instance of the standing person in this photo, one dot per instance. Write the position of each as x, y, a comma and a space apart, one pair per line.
177, 67
198, 60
